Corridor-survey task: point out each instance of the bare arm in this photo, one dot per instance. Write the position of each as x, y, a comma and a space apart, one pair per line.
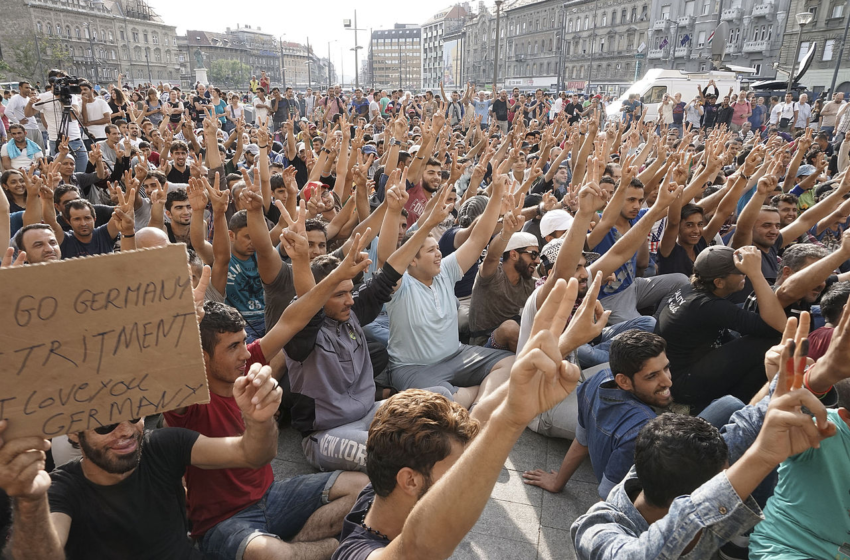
468, 253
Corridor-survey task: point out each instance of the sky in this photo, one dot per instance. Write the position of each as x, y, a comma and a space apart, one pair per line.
295, 20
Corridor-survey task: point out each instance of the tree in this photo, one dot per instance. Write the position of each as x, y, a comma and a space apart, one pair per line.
31, 54
229, 72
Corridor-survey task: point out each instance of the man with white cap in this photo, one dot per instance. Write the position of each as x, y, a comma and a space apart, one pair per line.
501, 288
554, 224
251, 153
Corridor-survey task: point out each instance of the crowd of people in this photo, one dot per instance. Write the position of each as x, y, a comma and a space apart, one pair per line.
411, 281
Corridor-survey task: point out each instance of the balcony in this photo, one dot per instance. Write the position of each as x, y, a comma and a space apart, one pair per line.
731, 48
732, 14
756, 46
682, 52
763, 10
685, 21
655, 53
660, 24
519, 57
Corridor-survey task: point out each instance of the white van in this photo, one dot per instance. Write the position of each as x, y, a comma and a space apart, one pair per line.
656, 82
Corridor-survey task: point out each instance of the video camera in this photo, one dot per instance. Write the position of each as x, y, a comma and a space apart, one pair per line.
64, 87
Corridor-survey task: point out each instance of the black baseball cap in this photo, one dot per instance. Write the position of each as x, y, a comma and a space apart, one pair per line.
716, 262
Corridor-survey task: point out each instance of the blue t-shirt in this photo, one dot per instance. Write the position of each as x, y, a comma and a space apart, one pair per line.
361, 108
245, 293
447, 246
755, 118
101, 243
482, 109
625, 275
423, 319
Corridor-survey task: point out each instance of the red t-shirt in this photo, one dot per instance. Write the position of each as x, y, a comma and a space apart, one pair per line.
216, 494
819, 340
415, 204
264, 83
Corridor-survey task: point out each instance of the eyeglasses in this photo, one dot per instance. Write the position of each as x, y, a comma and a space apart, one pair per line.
533, 254
104, 430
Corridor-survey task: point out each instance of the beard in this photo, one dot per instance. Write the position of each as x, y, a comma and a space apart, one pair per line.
113, 464
523, 269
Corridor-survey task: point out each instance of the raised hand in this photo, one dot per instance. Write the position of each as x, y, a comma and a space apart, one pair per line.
257, 393
22, 473
293, 238
9, 259
355, 261
218, 199
748, 260
197, 195
587, 322
540, 378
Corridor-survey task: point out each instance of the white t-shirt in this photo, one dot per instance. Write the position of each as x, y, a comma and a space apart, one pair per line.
15, 112
22, 161
374, 110
52, 111
261, 113
94, 112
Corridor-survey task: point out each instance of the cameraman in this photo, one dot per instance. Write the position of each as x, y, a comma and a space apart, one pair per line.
51, 107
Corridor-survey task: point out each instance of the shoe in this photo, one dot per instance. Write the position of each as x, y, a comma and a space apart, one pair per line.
736, 549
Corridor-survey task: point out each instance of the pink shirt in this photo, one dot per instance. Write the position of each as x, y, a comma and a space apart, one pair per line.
739, 112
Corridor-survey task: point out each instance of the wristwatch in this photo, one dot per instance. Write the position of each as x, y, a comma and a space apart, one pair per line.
394, 142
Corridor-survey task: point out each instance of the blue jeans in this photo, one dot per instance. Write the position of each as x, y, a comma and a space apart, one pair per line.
829, 130
78, 150
590, 355
379, 329
281, 514
719, 411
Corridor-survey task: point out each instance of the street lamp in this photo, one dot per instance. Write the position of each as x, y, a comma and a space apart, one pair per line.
347, 24
91, 48
840, 50
496, 54
803, 19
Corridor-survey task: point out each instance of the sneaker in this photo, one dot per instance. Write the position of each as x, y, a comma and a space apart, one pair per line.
736, 549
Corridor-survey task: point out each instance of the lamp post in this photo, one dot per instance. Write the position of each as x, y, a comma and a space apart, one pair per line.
674, 44
282, 64
496, 53
91, 48
841, 48
148, 63
803, 19
562, 86
347, 24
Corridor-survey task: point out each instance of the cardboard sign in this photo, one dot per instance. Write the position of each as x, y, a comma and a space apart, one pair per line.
92, 341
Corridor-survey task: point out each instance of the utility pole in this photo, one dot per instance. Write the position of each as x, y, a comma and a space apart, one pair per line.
841, 48
372, 60
496, 54
282, 66
148, 63
346, 23
592, 44
93, 57
330, 81
309, 76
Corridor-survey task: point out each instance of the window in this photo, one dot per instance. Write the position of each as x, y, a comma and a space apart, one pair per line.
68, 31
601, 45
157, 55
706, 6
569, 26
634, 15
838, 9
586, 22
38, 26
155, 39
758, 69
644, 12
655, 95
58, 30
146, 36
86, 32
604, 20
135, 36
702, 67
624, 16
690, 8
111, 37
804, 48
828, 48
814, 11
665, 12
769, 32
121, 34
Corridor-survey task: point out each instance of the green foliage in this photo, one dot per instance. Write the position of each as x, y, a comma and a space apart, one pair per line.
229, 72
24, 59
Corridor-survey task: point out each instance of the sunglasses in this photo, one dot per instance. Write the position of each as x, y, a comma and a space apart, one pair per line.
108, 429
533, 254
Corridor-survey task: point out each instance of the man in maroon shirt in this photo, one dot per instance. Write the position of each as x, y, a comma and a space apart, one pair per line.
244, 513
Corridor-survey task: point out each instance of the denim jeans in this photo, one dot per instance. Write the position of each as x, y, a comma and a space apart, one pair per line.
721, 410
829, 130
593, 355
78, 149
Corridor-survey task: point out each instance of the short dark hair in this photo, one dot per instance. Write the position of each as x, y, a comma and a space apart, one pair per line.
218, 318
690, 209
109, 128
19, 237
62, 190
159, 176
831, 303
77, 204
432, 161
630, 350
322, 266
276, 181
238, 221
179, 145
316, 225
784, 197
676, 454
608, 180
413, 429
178, 194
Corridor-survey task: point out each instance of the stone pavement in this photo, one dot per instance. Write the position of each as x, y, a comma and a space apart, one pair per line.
520, 522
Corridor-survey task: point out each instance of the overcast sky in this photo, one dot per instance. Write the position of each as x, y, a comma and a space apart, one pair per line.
295, 20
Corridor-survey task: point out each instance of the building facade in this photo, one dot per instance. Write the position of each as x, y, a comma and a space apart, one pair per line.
534, 32
441, 58
680, 33
479, 47
395, 56
825, 33
100, 40
263, 50
601, 44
